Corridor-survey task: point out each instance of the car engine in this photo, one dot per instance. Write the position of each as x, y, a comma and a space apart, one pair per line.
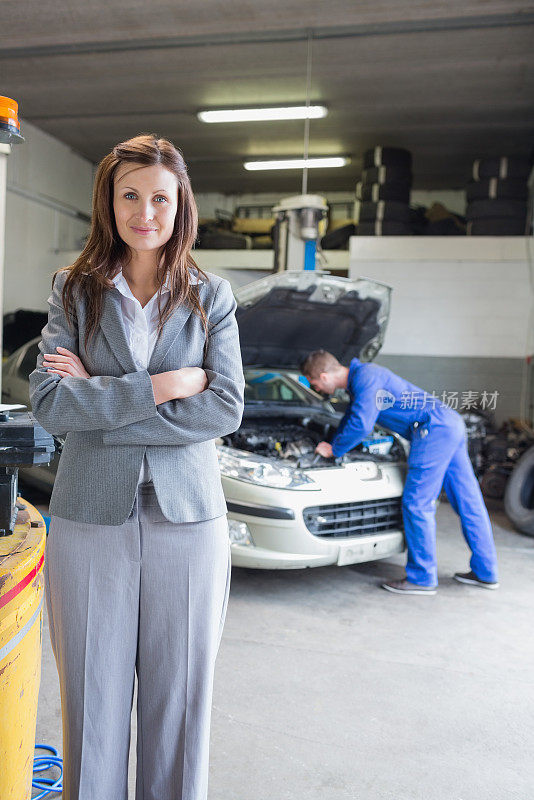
295, 441
282, 440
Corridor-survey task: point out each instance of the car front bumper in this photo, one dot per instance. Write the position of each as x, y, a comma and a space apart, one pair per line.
351, 551
280, 538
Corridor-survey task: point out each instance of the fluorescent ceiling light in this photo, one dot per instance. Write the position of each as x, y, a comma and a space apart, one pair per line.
297, 163
262, 114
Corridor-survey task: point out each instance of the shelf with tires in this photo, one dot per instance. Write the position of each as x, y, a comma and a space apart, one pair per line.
497, 197
384, 192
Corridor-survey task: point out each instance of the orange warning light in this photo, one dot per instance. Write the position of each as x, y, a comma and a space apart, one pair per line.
9, 121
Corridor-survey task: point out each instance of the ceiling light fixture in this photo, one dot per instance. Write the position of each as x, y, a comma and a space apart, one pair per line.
298, 163
263, 114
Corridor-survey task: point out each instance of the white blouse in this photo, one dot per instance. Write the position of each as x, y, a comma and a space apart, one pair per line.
141, 324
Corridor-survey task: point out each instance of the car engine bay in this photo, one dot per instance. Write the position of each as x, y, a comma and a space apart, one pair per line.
295, 440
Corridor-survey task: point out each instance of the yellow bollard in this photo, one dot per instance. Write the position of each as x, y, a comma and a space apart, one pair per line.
21, 617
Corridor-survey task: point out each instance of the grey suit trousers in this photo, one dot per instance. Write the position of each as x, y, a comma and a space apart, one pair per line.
148, 596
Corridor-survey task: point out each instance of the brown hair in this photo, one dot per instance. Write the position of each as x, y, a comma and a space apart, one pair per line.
93, 270
317, 362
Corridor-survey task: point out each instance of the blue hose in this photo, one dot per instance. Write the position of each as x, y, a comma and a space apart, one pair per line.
42, 764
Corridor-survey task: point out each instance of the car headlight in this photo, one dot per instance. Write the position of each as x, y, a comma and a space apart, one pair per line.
247, 467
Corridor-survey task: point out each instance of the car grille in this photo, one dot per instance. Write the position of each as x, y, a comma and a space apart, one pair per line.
354, 519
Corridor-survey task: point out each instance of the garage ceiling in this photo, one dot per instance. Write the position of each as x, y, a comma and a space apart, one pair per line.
451, 81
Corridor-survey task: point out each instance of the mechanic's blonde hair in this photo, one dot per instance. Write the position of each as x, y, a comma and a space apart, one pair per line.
317, 362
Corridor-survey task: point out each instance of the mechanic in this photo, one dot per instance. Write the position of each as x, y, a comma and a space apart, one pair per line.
438, 458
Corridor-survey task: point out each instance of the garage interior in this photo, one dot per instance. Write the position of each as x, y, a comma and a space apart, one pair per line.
325, 686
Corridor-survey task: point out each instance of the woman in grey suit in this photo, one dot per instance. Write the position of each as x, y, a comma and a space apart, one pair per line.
140, 368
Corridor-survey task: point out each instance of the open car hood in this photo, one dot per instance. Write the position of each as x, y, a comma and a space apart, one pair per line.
284, 317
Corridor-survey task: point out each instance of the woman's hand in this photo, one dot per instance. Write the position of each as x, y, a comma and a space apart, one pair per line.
65, 363
178, 384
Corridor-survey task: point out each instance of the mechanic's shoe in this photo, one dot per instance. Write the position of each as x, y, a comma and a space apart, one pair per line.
405, 587
472, 580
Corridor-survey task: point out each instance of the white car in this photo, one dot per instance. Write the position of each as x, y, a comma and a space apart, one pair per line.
287, 507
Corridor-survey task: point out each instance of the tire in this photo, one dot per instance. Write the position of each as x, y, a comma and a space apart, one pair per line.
519, 494
387, 175
495, 188
449, 226
483, 209
497, 227
497, 450
216, 239
493, 483
338, 239
373, 192
387, 157
384, 210
382, 229
504, 167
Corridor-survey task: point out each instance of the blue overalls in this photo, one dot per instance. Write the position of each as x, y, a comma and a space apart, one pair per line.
438, 458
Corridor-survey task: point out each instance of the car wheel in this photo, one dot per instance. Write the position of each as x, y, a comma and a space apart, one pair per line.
519, 494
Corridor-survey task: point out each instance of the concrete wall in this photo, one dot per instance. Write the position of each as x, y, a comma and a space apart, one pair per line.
507, 381
48, 195
461, 315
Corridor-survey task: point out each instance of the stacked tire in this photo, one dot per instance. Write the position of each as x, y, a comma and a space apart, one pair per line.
497, 197
384, 192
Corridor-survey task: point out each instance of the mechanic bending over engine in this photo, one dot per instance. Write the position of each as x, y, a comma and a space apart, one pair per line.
438, 458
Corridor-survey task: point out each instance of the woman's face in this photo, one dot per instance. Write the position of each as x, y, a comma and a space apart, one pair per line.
145, 200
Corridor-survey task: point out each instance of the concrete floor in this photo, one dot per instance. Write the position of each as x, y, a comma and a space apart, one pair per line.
328, 688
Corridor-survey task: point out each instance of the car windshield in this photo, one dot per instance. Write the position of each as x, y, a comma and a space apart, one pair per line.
274, 387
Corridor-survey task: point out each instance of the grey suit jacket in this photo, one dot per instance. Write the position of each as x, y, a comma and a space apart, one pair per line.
111, 420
